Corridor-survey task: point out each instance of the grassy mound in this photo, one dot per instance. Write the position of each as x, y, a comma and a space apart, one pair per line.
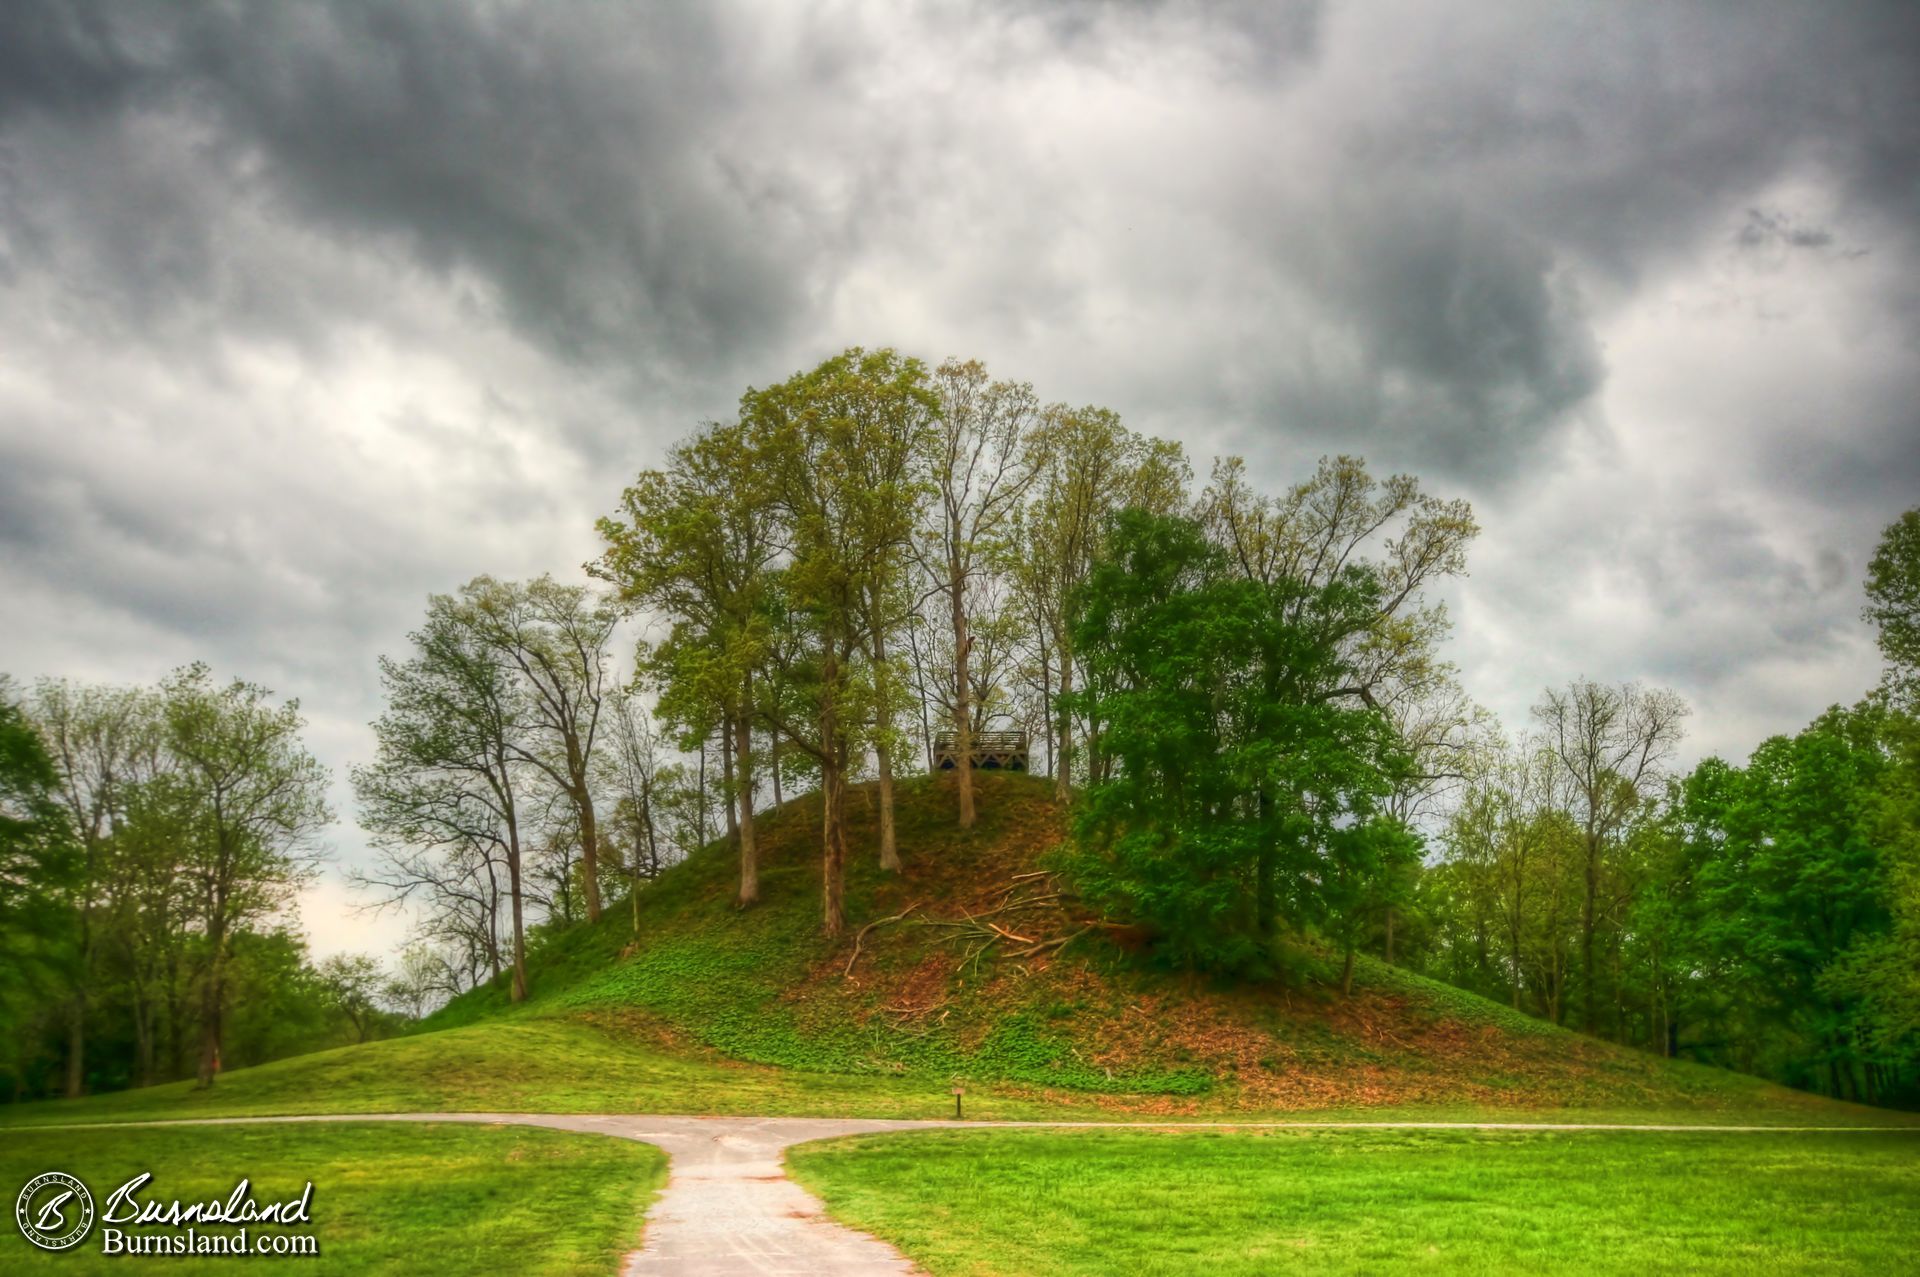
706, 1008
937, 995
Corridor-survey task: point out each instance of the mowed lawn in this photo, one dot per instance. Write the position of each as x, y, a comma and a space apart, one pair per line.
387, 1198
1238, 1204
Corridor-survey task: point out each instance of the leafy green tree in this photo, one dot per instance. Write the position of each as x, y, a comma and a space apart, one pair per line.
104, 741
352, 982
1791, 881
695, 543
1241, 795
40, 865
253, 799
1893, 601
836, 441
1089, 466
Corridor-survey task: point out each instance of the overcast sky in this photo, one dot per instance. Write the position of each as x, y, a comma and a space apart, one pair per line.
308, 310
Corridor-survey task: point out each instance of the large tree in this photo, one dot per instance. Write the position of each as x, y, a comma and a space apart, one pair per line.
39, 867
693, 543
1241, 796
1893, 602
983, 460
250, 800
1612, 744
104, 741
555, 637
446, 795
1090, 466
836, 442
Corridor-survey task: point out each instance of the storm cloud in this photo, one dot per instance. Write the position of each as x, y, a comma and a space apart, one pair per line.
307, 310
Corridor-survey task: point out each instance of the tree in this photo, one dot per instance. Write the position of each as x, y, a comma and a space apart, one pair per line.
1611, 744
1893, 600
695, 542
252, 799
632, 770
449, 777
39, 866
104, 741
353, 982
983, 464
1089, 466
555, 637
1241, 794
1793, 885
835, 442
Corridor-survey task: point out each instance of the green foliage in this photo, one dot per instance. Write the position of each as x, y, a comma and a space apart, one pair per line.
1893, 601
1790, 900
39, 866
1241, 791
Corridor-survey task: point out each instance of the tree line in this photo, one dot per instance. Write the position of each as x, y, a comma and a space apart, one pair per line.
150, 840
1762, 916
1243, 696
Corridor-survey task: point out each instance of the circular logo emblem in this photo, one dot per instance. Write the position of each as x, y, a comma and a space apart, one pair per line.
54, 1210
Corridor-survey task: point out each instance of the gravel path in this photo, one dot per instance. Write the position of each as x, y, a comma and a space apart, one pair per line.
729, 1208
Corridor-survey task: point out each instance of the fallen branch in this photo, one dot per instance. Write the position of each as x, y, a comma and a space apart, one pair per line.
1047, 946
860, 938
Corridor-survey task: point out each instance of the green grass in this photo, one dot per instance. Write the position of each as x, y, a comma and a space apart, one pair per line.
387, 1198
1157, 1204
523, 1064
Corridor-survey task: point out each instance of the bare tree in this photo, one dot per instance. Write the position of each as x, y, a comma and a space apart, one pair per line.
983, 463
1611, 744
555, 636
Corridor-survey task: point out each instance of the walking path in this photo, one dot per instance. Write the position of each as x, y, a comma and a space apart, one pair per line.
729, 1208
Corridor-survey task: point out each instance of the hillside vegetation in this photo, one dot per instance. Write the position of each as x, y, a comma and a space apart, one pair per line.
714, 1009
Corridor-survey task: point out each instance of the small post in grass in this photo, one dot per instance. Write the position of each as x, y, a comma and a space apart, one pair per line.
957, 1093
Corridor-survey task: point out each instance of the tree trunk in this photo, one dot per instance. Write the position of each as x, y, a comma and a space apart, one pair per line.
212, 993
743, 746
1063, 756
589, 848
1346, 975
76, 1046
962, 718
519, 993
774, 750
728, 789
1046, 700
833, 835
143, 1039
889, 849
833, 911
1586, 930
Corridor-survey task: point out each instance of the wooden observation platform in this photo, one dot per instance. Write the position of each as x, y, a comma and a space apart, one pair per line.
992, 751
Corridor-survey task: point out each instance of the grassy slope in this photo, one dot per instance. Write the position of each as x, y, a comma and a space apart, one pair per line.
718, 1010
1236, 1205
392, 1198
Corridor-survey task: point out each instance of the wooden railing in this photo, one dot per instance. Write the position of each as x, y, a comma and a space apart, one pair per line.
990, 751
983, 742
